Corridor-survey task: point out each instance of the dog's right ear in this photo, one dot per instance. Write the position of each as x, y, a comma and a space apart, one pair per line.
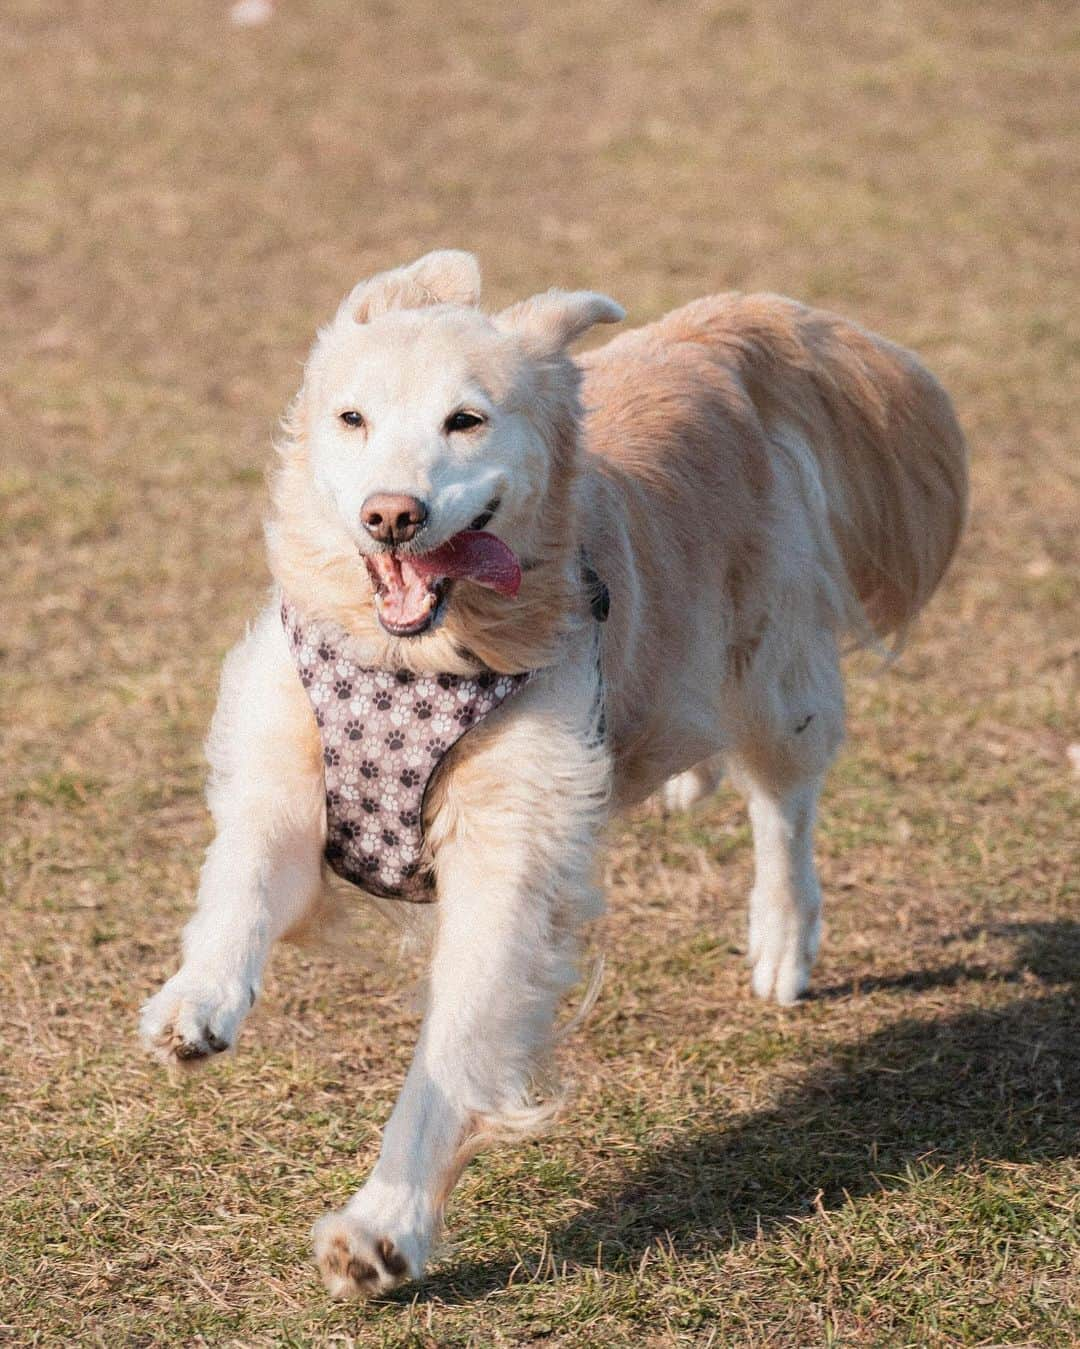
547, 323
448, 276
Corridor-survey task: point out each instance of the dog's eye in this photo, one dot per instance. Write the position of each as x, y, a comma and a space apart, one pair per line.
463, 421
352, 418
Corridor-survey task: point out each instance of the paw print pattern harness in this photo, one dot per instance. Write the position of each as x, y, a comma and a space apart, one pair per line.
384, 734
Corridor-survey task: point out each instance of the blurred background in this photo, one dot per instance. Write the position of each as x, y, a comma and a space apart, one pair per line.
187, 191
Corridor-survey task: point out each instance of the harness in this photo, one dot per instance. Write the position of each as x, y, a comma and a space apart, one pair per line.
384, 734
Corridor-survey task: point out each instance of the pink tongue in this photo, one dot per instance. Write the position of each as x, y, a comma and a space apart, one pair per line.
477, 556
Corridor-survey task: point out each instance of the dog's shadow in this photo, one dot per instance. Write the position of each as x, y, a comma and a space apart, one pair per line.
1000, 1084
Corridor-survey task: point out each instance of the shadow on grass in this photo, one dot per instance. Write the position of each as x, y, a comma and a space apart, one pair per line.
995, 1085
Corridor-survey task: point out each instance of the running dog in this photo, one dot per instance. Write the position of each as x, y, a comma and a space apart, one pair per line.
515, 592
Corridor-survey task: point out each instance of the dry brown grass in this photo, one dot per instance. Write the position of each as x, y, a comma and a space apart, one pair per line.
892, 1163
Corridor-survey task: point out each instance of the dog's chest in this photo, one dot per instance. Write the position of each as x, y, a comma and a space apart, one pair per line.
384, 734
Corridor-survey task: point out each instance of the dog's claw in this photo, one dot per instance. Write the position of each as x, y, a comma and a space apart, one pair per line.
391, 1257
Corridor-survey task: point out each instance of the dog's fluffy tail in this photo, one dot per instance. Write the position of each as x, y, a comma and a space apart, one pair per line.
892, 458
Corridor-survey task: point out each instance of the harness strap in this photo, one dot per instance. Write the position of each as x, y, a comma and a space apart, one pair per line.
600, 608
599, 595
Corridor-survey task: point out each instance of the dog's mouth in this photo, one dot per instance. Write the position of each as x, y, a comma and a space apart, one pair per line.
411, 588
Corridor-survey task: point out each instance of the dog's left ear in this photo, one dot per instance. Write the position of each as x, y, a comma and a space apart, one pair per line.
447, 276
547, 323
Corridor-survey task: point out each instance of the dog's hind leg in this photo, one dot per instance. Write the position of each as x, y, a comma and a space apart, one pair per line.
263, 870
685, 790
785, 902
779, 764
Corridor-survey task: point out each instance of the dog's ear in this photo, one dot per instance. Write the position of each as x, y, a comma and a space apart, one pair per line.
547, 323
447, 276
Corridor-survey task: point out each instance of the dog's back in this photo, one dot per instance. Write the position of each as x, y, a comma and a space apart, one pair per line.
747, 373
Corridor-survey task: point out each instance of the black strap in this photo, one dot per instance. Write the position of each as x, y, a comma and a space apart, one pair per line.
599, 607
599, 595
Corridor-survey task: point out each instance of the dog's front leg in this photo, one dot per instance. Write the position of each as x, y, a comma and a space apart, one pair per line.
263, 869
515, 838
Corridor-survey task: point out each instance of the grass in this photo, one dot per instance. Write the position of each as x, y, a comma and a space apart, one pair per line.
894, 1162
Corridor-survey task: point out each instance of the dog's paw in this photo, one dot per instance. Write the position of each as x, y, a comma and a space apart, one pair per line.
356, 1261
781, 957
190, 1019
685, 790
778, 975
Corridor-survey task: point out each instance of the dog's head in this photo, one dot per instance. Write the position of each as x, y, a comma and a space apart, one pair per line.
432, 454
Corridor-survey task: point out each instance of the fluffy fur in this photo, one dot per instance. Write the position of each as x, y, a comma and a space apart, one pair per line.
755, 481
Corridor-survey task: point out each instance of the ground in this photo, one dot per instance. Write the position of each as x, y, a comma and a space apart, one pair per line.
183, 201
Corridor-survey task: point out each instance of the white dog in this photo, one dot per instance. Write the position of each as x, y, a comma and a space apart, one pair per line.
459, 506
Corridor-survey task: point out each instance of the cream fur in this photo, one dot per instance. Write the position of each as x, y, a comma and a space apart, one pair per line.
755, 481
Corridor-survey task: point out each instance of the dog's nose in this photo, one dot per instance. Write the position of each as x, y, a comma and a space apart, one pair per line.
392, 517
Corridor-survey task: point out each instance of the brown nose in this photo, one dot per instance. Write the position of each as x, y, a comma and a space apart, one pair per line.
392, 517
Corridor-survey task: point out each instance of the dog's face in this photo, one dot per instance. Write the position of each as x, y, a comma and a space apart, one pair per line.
426, 429
417, 432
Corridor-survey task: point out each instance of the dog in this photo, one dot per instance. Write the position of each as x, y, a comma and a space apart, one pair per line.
513, 593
